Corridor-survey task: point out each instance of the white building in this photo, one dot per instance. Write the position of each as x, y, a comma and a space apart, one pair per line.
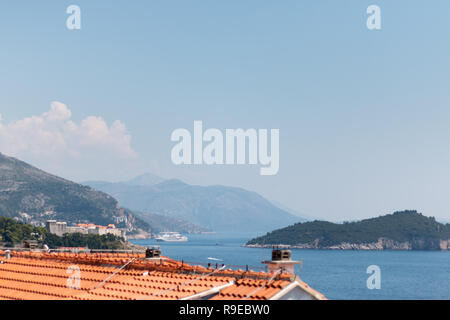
60, 228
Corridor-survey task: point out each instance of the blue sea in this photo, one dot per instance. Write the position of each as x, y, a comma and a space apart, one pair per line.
336, 274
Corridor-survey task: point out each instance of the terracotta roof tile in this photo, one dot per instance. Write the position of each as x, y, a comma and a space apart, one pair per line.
44, 276
262, 289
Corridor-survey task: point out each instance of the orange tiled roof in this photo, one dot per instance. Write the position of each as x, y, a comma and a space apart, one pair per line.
86, 225
73, 249
252, 289
44, 276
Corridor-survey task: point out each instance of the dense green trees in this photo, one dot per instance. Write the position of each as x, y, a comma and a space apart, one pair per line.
92, 241
400, 226
13, 232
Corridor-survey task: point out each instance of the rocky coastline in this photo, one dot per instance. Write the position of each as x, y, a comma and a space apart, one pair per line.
381, 244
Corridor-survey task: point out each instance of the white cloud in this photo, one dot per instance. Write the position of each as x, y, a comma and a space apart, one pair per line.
53, 135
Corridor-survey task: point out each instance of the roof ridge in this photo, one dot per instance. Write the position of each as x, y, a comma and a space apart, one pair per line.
164, 264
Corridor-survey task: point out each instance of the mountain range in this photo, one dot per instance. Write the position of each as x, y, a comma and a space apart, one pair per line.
146, 203
216, 208
32, 195
161, 223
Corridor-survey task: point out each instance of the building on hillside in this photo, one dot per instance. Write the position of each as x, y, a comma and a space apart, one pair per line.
133, 276
60, 228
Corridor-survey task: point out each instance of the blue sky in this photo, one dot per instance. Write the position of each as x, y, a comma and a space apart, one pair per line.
363, 115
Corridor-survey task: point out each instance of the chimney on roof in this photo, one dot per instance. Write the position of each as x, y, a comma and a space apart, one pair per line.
152, 253
281, 255
281, 260
7, 254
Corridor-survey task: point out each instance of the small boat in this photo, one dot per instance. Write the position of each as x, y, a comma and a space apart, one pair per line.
171, 237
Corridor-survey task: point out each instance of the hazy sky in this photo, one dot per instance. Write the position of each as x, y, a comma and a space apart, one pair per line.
364, 116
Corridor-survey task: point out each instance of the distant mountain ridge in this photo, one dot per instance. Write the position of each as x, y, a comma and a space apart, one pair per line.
404, 230
218, 208
32, 195
302, 217
146, 179
160, 223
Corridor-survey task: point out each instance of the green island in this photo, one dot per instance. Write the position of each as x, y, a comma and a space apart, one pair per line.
404, 230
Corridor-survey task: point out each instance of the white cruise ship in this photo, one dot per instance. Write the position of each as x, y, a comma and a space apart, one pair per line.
171, 237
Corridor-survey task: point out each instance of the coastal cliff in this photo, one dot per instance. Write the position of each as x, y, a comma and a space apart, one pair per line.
381, 244
406, 230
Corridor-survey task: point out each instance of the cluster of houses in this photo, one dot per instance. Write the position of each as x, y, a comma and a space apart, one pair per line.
60, 228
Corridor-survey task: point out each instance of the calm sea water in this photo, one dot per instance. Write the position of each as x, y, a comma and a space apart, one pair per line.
336, 274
